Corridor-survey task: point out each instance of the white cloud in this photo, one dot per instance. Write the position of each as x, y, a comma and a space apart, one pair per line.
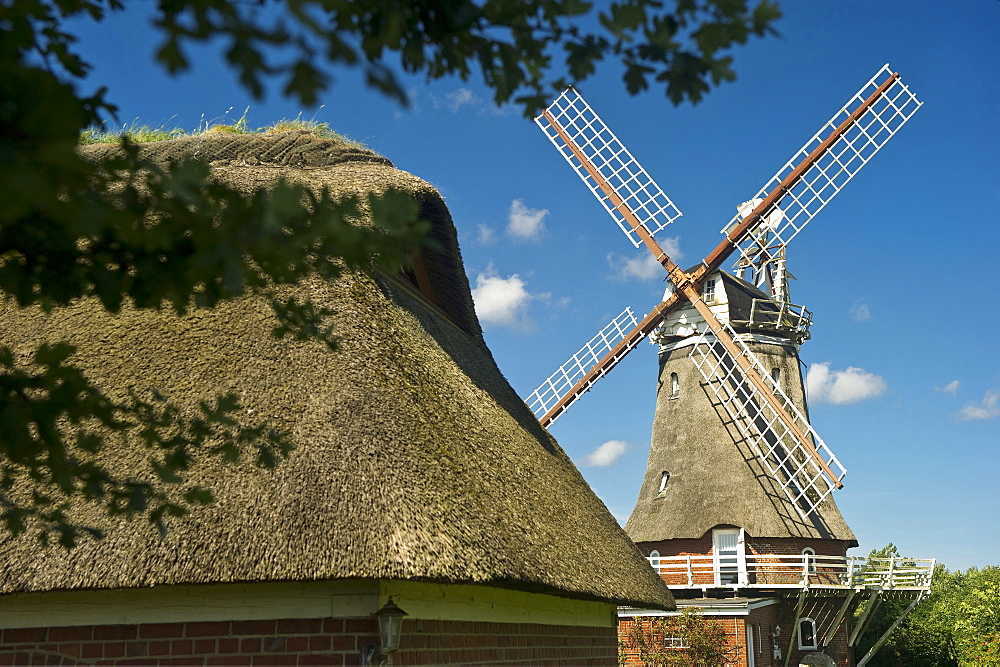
988, 408
672, 246
643, 266
485, 235
462, 98
842, 387
860, 311
503, 302
524, 223
606, 454
459, 98
950, 388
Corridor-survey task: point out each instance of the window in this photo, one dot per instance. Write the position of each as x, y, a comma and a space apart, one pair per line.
809, 559
776, 376
675, 386
708, 294
674, 641
729, 556
654, 559
807, 634
664, 478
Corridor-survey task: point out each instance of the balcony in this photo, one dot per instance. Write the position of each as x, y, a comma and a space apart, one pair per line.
778, 316
772, 571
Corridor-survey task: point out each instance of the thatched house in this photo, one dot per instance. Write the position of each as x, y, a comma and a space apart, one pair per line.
418, 474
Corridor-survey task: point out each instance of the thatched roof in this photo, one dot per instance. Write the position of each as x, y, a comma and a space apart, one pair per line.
414, 457
715, 475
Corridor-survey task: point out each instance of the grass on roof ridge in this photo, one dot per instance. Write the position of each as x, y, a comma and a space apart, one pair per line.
144, 134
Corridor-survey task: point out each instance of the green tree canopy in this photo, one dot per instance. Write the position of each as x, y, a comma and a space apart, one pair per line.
123, 230
958, 624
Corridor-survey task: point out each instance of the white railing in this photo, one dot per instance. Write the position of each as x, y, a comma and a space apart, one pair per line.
794, 571
773, 315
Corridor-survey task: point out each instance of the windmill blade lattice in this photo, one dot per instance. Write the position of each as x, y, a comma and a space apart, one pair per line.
865, 124
786, 458
559, 383
606, 166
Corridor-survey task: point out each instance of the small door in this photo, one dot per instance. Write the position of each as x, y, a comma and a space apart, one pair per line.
730, 562
751, 652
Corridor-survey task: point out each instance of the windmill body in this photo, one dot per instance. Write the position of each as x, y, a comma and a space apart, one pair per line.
703, 469
711, 518
736, 511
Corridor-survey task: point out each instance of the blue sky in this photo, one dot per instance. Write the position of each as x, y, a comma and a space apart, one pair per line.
898, 270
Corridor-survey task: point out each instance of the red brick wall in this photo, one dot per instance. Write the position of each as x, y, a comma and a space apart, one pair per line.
774, 545
822, 611
763, 620
307, 642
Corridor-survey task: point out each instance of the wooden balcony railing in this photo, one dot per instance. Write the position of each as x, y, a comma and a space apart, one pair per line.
794, 571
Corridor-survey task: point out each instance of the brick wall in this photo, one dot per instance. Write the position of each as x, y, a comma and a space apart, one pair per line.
786, 546
307, 642
823, 612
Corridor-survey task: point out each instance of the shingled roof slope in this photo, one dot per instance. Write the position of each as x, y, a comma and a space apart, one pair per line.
414, 457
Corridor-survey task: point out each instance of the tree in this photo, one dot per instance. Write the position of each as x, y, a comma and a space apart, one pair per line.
958, 624
686, 639
123, 230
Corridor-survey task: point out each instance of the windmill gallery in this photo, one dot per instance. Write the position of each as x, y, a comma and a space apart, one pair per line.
425, 515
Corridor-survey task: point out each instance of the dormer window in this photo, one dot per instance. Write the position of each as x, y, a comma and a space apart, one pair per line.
416, 275
776, 375
708, 293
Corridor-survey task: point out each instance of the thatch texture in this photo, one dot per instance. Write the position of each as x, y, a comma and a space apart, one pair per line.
715, 475
414, 458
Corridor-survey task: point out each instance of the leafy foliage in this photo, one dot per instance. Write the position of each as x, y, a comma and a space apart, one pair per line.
124, 230
686, 639
958, 624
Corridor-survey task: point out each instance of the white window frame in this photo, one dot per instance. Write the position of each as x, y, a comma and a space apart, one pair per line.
664, 478
741, 559
675, 386
798, 632
708, 294
654, 560
809, 560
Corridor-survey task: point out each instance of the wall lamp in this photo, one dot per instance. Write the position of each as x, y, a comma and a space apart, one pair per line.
390, 628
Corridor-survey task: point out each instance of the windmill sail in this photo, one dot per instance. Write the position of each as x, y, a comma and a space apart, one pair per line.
759, 232
556, 386
821, 168
805, 468
597, 156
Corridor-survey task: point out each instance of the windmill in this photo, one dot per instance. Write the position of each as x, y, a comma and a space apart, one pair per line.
793, 453
774, 513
